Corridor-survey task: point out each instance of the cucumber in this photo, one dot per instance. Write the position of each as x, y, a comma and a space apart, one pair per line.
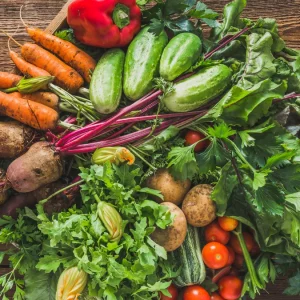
197, 90
180, 54
106, 83
142, 63
188, 257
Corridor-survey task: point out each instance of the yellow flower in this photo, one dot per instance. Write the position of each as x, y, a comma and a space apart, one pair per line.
71, 284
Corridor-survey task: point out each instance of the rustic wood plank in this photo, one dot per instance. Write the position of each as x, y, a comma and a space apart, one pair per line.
40, 13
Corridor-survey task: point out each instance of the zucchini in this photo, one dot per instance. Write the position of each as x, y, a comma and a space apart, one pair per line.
188, 257
197, 90
106, 83
142, 63
180, 55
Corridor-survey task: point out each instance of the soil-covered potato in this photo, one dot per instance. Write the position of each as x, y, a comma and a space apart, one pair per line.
172, 237
172, 190
39, 166
14, 138
198, 207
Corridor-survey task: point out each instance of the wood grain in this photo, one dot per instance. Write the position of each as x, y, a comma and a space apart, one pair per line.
40, 13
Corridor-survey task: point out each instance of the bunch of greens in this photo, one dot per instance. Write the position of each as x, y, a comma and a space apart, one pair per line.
135, 267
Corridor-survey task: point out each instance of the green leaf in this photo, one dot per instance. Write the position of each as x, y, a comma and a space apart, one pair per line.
223, 189
259, 180
279, 160
294, 199
51, 263
294, 287
259, 60
291, 225
221, 131
246, 106
152, 192
232, 12
182, 162
40, 285
213, 156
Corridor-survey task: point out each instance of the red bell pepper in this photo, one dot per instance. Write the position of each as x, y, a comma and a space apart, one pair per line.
104, 23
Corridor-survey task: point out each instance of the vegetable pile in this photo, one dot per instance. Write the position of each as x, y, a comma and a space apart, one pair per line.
163, 164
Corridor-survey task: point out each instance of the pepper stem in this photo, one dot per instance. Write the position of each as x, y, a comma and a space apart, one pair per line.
121, 15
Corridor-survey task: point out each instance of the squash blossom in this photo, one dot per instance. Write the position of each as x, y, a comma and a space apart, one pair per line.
111, 220
71, 284
114, 155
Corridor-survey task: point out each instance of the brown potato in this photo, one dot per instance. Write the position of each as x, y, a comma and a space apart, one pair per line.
172, 190
39, 166
172, 237
198, 207
14, 138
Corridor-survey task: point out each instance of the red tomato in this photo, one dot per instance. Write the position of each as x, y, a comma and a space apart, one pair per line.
228, 224
235, 244
230, 287
231, 257
239, 261
255, 251
215, 255
173, 290
193, 137
214, 233
216, 296
195, 292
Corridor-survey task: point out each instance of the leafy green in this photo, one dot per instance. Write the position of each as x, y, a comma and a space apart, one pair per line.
231, 14
294, 287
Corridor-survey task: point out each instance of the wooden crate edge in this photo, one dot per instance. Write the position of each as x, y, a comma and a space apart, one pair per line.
60, 20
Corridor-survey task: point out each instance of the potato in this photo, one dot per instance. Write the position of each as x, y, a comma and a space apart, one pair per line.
172, 237
198, 207
172, 190
39, 166
14, 138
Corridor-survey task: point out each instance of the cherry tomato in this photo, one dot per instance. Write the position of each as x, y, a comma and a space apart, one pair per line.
193, 137
215, 255
239, 261
230, 287
195, 292
216, 296
173, 290
231, 257
228, 224
214, 233
255, 251
235, 244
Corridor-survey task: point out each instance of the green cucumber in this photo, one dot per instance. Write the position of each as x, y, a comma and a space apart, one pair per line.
188, 257
197, 90
106, 83
180, 55
142, 63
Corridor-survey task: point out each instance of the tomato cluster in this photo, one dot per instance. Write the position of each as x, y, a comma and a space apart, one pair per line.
222, 254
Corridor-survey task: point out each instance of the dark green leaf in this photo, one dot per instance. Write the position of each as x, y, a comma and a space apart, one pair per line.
294, 286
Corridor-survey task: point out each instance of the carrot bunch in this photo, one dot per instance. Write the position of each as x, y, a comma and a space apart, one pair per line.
50, 56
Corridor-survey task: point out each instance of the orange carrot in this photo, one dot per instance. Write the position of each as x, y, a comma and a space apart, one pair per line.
65, 76
34, 114
25, 67
69, 53
8, 80
45, 98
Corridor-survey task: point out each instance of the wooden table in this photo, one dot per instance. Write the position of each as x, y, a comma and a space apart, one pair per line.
40, 12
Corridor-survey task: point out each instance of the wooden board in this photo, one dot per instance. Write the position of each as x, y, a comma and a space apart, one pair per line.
40, 13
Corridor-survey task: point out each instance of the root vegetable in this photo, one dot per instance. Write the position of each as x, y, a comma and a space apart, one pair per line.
14, 138
46, 98
8, 80
3, 188
198, 207
172, 190
39, 166
172, 237
28, 112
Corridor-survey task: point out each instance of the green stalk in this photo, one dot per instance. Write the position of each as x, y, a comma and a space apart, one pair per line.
250, 266
132, 149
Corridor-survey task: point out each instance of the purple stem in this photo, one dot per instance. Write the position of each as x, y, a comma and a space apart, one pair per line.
126, 139
223, 44
287, 97
94, 132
